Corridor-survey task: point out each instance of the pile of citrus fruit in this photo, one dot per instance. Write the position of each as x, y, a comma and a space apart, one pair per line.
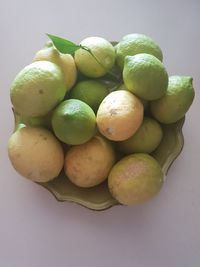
97, 114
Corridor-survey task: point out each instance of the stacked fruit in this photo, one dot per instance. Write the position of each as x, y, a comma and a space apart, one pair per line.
96, 110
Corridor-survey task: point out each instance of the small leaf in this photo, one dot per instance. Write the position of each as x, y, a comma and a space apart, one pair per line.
64, 46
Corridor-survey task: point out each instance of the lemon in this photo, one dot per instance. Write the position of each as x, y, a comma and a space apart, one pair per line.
145, 140
135, 179
91, 92
36, 154
176, 102
145, 76
73, 122
135, 43
99, 64
37, 89
89, 164
64, 61
120, 115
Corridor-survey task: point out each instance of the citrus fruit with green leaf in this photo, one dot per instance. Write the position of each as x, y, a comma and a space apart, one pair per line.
145, 76
135, 179
64, 61
73, 122
89, 164
92, 92
97, 59
36, 154
120, 115
37, 89
135, 43
176, 102
145, 140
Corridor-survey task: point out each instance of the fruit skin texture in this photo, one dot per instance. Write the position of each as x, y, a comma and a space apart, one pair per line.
102, 50
135, 43
135, 179
145, 76
88, 164
91, 92
145, 140
73, 122
36, 154
120, 115
37, 89
64, 61
176, 102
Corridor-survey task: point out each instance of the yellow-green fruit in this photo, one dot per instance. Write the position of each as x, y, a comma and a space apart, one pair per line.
91, 92
100, 62
135, 43
74, 122
37, 89
145, 76
36, 154
145, 140
120, 115
135, 179
89, 164
176, 102
64, 61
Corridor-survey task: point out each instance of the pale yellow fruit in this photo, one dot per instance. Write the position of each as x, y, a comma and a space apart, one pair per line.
36, 154
89, 164
64, 61
135, 179
99, 62
119, 116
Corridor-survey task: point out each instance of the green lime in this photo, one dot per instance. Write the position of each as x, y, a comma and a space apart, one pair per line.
91, 92
145, 76
176, 102
37, 89
100, 62
145, 140
135, 179
73, 122
135, 43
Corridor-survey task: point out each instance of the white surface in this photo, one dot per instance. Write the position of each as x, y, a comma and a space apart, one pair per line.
37, 231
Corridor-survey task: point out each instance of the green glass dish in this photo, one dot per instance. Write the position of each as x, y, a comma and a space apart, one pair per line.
99, 197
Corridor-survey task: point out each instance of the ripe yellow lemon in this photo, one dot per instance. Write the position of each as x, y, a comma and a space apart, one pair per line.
36, 154
64, 61
89, 164
135, 179
120, 115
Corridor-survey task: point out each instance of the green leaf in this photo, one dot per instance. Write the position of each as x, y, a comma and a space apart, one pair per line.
64, 46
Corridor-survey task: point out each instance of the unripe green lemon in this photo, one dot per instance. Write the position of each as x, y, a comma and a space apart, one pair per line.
73, 122
176, 102
145, 76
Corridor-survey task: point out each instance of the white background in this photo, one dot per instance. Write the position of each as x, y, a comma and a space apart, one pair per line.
36, 230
